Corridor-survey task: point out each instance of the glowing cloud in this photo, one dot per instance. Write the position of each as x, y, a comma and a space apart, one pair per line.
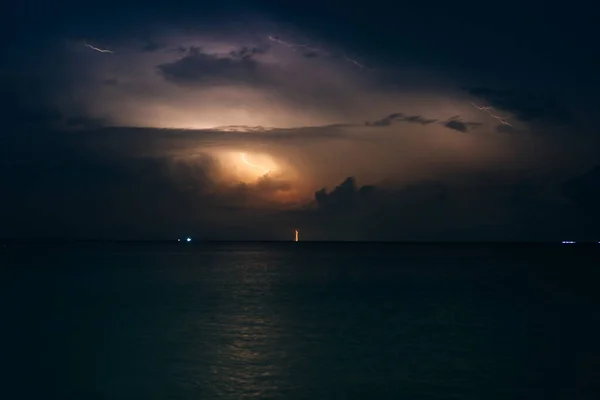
265, 170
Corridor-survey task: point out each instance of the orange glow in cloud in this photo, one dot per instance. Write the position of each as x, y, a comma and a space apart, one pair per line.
249, 167
265, 170
274, 179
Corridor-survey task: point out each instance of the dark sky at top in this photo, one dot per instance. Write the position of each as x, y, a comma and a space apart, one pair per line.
247, 119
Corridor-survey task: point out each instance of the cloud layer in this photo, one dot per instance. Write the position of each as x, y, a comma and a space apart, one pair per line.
106, 144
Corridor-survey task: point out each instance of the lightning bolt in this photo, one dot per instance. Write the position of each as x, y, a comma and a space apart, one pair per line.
274, 39
97, 49
307, 47
489, 111
359, 65
291, 45
265, 170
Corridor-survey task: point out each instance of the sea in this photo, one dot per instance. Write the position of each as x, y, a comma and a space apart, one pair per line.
299, 321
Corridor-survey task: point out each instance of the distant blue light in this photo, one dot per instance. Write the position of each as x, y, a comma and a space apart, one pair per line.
188, 239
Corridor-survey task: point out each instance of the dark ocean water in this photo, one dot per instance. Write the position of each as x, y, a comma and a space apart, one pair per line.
299, 321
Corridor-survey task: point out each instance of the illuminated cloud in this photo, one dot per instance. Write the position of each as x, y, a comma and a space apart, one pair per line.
182, 127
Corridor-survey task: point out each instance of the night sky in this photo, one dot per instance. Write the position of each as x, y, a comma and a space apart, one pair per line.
247, 120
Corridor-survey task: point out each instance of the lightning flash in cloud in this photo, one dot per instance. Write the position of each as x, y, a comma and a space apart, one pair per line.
489, 111
265, 170
98, 49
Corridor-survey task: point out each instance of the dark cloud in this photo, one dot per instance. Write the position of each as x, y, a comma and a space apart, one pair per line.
71, 190
140, 183
151, 46
344, 196
247, 52
416, 119
21, 116
130, 181
526, 106
390, 119
455, 123
470, 208
198, 68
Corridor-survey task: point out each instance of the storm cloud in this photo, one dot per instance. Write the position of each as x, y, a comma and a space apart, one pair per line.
201, 68
211, 127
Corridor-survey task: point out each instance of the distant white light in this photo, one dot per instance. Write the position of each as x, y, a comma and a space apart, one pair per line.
188, 239
179, 240
567, 242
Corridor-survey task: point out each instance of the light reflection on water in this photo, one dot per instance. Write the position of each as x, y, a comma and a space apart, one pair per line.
250, 363
276, 322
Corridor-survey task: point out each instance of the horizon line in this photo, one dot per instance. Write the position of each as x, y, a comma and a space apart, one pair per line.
339, 241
